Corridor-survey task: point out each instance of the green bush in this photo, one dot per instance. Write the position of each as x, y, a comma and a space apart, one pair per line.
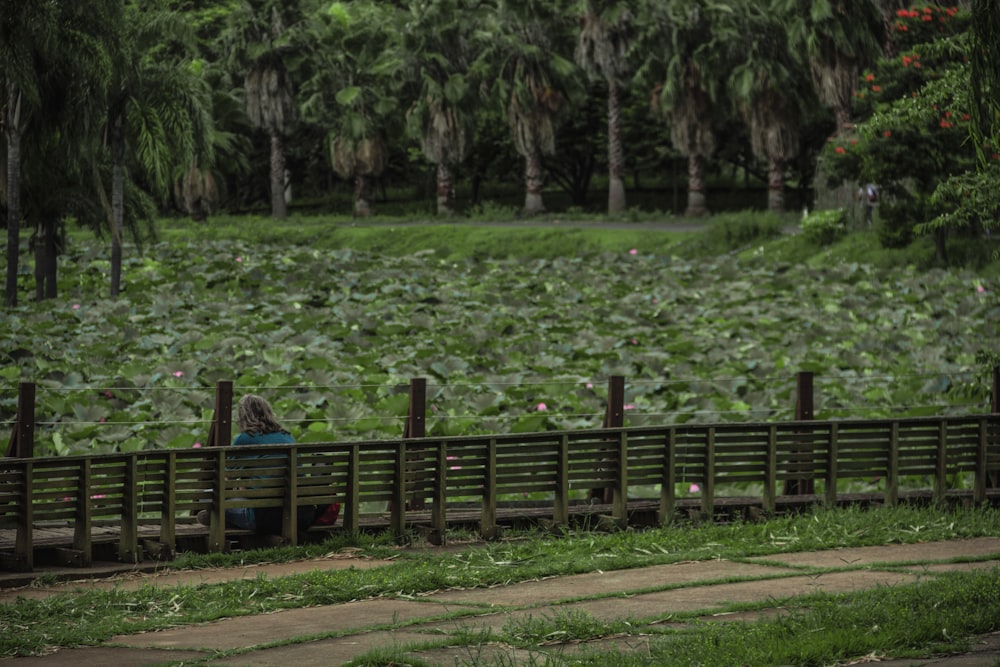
825, 227
732, 232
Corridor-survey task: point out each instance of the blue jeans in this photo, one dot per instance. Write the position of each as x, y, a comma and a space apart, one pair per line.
241, 517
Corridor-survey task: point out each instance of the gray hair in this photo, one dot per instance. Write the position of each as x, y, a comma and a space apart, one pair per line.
255, 416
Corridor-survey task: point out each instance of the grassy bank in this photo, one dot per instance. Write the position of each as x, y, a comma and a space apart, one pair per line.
760, 239
970, 602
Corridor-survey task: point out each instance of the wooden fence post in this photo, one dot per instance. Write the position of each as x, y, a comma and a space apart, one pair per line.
803, 412
22, 437
415, 427
221, 432
993, 476
995, 394
614, 417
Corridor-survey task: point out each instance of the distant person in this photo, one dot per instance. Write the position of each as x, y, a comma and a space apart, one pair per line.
259, 426
868, 196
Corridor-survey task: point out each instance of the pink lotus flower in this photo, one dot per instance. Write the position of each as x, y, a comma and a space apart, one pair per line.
980, 289
694, 488
633, 251
239, 259
590, 385
178, 374
108, 394
541, 407
635, 341
76, 306
197, 445
628, 406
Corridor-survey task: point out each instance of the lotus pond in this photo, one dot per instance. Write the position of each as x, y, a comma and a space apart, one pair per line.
332, 338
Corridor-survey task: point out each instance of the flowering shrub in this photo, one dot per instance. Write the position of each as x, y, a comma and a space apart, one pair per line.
924, 23
916, 128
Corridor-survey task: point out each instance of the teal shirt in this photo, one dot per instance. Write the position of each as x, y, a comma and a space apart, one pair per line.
276, 438
248, 440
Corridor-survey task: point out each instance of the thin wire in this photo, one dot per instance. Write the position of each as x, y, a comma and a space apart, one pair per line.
669, 381
210, 388
553, 415
344, 419
514, 416
566, 383
119, 423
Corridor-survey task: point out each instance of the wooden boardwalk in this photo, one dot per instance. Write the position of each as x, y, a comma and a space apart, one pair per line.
140, 505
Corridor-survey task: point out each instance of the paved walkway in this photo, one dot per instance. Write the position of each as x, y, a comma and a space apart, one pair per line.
302, 637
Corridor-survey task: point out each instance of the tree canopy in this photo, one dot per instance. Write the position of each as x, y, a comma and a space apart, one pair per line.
260, 99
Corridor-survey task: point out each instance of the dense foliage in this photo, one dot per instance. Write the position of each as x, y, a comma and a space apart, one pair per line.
333, 335
286, 104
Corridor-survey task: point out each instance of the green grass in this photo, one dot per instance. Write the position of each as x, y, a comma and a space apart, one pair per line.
458, 240
90, 617
496, 232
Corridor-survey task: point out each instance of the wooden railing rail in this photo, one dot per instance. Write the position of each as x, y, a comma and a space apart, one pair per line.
163, 488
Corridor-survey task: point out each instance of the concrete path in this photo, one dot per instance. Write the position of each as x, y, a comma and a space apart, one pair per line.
336, 634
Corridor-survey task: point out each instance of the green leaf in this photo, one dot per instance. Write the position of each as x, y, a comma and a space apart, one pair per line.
348, 96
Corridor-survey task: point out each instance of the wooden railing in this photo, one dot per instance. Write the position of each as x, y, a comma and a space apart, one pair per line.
158, 491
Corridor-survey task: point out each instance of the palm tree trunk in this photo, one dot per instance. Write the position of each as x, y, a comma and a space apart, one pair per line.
445, 189
533, 178
45, 262
843, 117
616, 153
696, 186
278, 207
362, 196
117, 203
776, 186
13, 194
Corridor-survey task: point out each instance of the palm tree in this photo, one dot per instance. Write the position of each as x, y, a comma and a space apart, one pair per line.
54, 102
771, 89
606, 29
27, 29
263, 38
158, 113
353, 90
839, 37
691, 44
533, 82
437, 39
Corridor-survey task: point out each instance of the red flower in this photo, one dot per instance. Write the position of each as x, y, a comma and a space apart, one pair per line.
839, 150
927, 17
887, 133
945, 124
876, 89
869, 77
